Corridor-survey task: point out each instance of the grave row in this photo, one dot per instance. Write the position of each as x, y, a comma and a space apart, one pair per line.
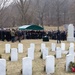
27, 61
43, 45
20, 47
59, 50
27, 65
14, 51
44, 50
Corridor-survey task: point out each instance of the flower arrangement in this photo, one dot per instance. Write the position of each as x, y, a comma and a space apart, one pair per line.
72, 67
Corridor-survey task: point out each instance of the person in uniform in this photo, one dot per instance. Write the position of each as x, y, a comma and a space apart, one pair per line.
12, 35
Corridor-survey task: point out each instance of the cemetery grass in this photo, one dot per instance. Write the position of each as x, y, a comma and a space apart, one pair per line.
14, 68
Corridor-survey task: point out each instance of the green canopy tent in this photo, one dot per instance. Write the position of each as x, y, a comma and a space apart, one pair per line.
31, 27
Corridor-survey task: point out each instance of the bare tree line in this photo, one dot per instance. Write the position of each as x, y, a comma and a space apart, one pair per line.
40, 12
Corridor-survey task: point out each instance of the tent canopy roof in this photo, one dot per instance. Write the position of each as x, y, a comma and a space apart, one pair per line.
31, 27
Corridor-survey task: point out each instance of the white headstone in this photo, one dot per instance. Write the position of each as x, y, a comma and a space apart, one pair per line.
70, 37
58, 52
64, 52
20, 48
45, 53
50, 64
69, 58
32, 45
43, 46
74, 54
14, 54
31, 53
71, 50
71, 44
62, 46
2, 67
7, 48
53, 46
27, 66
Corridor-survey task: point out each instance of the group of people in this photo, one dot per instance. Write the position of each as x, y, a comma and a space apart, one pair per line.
15, 34
57, 35
10, 35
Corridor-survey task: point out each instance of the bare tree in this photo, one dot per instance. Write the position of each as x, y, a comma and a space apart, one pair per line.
43, 12
3, 5
60, 11
40, 9
23, 6
72, 12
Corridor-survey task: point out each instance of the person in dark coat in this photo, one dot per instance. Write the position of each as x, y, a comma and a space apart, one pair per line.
2, 35
8, 35
19, 35
58, 37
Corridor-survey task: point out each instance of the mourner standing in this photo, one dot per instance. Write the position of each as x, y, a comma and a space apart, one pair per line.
58, 36
13, 35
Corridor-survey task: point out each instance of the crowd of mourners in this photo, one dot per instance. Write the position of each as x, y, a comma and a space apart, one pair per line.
15, 34
57, 34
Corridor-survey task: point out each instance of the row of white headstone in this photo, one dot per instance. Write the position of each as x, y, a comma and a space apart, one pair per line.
49, 59
53, 46
27, 65
26, 62
8, 48
59, 51
14, 51
43, 46
44, 51
20, 47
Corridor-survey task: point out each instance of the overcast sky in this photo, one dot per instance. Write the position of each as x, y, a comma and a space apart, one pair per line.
10, 1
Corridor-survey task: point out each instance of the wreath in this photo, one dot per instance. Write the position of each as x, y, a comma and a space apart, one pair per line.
72, 67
